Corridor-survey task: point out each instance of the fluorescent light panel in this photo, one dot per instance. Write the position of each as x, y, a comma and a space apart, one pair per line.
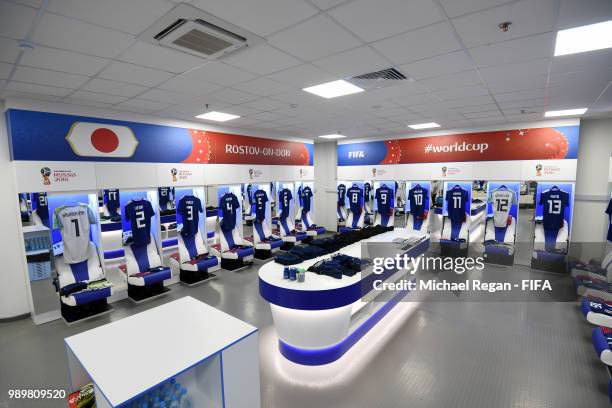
428, 125
333, 89
565, 112
582, 39
217, 116
333, 136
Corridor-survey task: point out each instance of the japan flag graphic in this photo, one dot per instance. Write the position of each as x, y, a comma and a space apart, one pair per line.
101, 140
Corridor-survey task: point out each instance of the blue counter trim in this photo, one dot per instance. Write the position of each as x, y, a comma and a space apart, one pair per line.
113, 254
111, 226
314, 357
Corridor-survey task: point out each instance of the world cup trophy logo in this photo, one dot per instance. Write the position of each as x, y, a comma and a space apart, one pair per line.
538, 169
444, 170
45, 172
251, 174
374, 172
174, 173
301, 173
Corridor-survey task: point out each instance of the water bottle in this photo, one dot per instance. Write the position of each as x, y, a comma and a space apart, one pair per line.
286, 272
184, 400
174, 402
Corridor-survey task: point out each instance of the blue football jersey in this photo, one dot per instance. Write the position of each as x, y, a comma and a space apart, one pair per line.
554, 202
284, 198
249, 193
111, 199
306, 198
139, 213
189, 208
457, 202
42, 206
609, 212
229, 206
341, 194
384, 199
417, 196
355, 196
260, 197
165, 196
367, 191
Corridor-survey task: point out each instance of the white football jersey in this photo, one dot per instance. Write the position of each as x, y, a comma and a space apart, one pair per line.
502, 201
74, 223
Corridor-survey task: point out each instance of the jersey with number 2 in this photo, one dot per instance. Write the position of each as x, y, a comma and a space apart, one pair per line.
139, 213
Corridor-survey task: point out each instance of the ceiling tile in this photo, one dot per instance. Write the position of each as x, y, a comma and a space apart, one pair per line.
461, 93
520, 95
74, 35
517, 84
436, 66
315, 38
586, 61
5, 70
327, 4
97, 97
219, 73
527, 16
27, 95
477, 108
412, 100
233, 96
264, 104
189, 86
374, 20
9, 50
113, 87
134, 74
456, 8
51, 78
512, 51
418, 44
132, 16
353, 62
158, 57
476, 100
525, 103
37, 89
302, 76
486, 114
15, 20
262, 17
267, 116
491, 121
524, 117
299, 97
65, 61
83, 102
516, 70
161, 95
456, 80
262, 87
241, 110
574, 13
262, 60
142, 106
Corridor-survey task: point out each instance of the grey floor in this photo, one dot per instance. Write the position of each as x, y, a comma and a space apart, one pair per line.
431, 354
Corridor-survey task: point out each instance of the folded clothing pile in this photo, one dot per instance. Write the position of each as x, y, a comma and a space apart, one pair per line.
338, 265
81, 286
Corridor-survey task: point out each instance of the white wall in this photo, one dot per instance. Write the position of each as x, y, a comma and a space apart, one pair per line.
13, 295
325, 165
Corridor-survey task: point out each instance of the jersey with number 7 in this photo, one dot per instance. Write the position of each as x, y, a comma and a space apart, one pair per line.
74, 223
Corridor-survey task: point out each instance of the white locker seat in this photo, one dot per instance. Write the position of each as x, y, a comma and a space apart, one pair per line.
81, 272
354, 222
193, 255
288, 233
551, 241
143, 266
601, 339
232, 246
308, 226
495, 234
264, 239
417, 224
593, 270
454, 231
385, 220
597, 311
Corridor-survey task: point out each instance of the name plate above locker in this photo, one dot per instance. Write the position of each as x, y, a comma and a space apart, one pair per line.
54, 176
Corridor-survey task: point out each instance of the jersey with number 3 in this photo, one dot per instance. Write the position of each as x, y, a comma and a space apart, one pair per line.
189, 208
553, 204
139, 213
74, 223
501, 201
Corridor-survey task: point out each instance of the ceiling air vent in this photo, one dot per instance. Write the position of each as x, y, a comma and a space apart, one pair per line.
379, 79
189, 29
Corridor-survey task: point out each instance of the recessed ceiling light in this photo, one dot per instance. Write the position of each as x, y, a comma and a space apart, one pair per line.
333, 89
332, 136
427, 125
217, 116
566, 112
586, 38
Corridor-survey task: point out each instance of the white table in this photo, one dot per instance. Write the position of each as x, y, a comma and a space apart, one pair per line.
213, 354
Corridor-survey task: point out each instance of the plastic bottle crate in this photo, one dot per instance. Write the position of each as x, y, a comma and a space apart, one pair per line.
39, 266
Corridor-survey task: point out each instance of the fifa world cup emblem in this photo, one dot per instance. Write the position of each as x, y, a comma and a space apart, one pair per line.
538, 170
374, 172
251, 174
444, 170
174, 173
45, 172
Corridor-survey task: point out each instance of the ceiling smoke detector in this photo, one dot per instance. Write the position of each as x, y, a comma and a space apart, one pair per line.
505, 26
189, 29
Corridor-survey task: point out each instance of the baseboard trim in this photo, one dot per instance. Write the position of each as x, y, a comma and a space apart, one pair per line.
14, 318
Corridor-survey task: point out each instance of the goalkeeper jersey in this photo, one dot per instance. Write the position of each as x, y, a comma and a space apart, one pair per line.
74, 223
501, 201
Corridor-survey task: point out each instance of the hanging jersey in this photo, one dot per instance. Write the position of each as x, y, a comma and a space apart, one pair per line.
42, 206
456, 203
501, 201
249, 192
306, 198
74, 223
609, 212
384, 199
417, 197
355, 196
165, 196
285, 198
260, 198
111, 200
189, 208
341, 195
229, 206
553, 204
367, 190
299, 195
139, 213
